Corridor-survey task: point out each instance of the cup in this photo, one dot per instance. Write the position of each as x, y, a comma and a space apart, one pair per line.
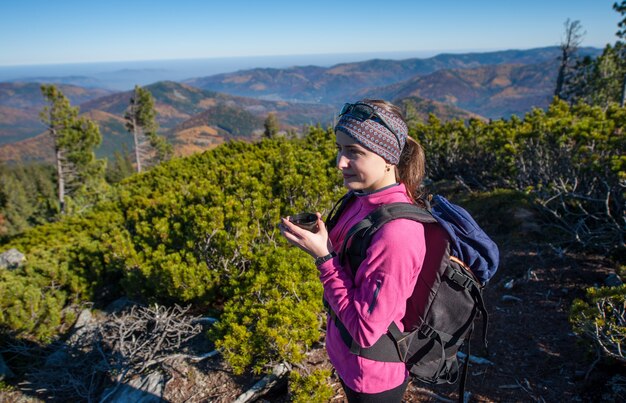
307, 221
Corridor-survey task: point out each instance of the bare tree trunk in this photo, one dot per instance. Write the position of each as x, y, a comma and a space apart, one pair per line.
560, 78
136, 139
60, 175
569, 47
133, 116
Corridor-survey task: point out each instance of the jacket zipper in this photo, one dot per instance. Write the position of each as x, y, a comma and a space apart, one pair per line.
374, 298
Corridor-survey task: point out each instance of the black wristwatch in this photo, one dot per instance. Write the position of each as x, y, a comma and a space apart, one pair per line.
322, 259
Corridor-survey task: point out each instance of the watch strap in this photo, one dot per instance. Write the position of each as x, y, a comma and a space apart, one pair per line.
322, 259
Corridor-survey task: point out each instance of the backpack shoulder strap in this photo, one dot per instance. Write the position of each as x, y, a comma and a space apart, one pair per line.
337, 209
362, 232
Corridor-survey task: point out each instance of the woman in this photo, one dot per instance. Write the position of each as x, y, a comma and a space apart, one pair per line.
380, 164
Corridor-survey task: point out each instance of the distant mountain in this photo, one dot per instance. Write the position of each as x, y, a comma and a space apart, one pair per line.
342, 82
204, 112
424, 107
38, 148
80, 81
175, 103
20, 95
191, 118
491, 91
194, 119
20, 104
17, 124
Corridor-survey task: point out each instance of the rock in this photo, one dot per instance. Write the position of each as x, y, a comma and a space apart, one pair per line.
5, 371
119, 305
57, 359
508, 298
613, 280
146, 388
84, 318
11, 259
474, 359
83, 325
266, 384
528, 221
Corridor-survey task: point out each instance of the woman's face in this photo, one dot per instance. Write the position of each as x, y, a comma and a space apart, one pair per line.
361, 168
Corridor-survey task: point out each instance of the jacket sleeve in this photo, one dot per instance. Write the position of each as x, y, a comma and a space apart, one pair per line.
367, 304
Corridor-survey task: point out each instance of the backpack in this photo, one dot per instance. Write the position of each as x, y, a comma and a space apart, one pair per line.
432, 338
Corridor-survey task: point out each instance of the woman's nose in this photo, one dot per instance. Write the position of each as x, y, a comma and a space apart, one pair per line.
342, 162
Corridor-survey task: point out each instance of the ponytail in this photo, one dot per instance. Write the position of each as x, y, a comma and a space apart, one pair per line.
411, 169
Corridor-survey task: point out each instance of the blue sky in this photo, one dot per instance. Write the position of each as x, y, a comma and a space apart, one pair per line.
58, 31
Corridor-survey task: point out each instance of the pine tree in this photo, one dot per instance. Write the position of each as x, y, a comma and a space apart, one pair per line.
15, 206
74, 139
601, 81
409, 110
121, 166
621, 8
27, 197
272, 125
150, 148
621, 48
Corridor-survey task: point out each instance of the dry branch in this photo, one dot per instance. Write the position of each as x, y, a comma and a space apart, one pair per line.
99, 355
264, 385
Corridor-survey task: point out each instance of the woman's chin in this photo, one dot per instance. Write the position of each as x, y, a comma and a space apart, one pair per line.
352, 185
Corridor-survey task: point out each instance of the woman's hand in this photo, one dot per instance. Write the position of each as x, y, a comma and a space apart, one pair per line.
313, 243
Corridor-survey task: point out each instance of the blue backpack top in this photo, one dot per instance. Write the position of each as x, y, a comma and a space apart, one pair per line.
468, 242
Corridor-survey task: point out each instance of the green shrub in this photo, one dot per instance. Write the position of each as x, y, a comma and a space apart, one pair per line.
275, 313
310, 388
601, 319
568, 158
66, 263
202, 229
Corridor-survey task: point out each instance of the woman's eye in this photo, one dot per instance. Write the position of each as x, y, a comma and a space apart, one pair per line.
349, 152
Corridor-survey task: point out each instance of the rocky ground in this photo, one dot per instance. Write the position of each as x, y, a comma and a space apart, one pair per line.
532, 353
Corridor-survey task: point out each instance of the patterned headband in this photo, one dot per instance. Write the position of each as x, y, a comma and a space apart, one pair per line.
375, 136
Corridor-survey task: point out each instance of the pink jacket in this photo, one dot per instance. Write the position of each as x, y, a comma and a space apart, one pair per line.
378, 293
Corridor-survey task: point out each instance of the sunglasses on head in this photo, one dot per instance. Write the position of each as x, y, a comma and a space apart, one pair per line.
364, 112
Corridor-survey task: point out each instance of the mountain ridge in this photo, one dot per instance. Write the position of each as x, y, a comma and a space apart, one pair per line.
464, 86
175, 103
341, 82
494, 91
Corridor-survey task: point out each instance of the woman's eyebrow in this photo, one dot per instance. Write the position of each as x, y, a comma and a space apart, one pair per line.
355, 146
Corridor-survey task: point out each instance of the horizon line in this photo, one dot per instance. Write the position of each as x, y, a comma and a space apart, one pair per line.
431, 52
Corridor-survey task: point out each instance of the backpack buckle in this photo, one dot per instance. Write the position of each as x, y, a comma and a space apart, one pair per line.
428, 331
460, 279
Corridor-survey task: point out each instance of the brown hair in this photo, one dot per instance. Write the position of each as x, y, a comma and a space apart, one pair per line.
412, 166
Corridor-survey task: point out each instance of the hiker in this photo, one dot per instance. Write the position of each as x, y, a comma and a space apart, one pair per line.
380, 164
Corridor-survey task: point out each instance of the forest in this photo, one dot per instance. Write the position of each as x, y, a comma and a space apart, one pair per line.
200, 231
